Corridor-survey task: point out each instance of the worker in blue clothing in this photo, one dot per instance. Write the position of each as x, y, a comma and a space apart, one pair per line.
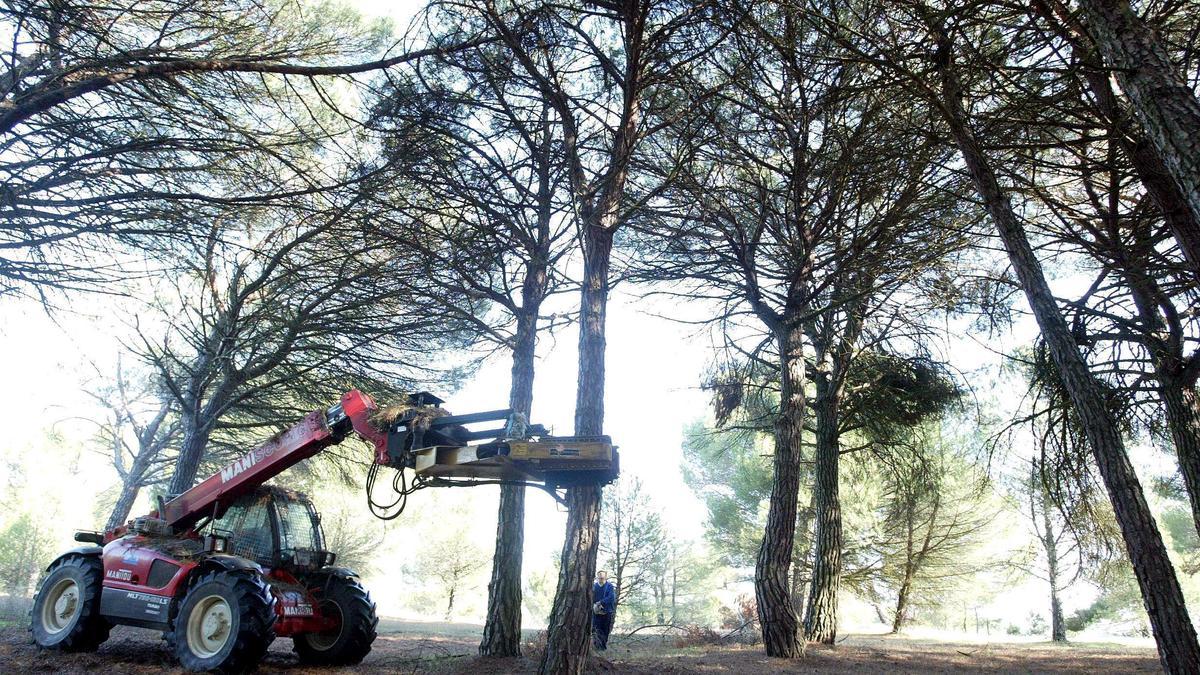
604, 607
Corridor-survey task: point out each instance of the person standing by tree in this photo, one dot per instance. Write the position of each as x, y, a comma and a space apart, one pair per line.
604, 607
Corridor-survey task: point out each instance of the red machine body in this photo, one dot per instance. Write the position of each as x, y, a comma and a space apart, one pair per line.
145, 573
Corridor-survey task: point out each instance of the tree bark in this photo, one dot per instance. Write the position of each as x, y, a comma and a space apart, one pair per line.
1183, 420
1163, 102
1146, 161
800, 555
196, 432
1178, 648
502, 630
902, 600
820, 621
567, 642
1058, 627
120, 513
777, 619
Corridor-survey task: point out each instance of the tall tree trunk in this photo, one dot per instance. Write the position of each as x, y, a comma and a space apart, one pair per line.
820, 621
1058, 627
1146, 161
1183, 419
1151, 171
779, 623
502, 631
1178, 648
1176, 382
567, 641
1163, 102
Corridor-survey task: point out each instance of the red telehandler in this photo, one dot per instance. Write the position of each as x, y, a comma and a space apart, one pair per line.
231, 564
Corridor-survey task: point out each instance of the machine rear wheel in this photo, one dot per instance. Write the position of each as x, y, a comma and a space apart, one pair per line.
66, 610
225, 624
349, 640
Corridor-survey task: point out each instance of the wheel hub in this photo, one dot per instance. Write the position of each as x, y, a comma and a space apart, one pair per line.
62, 604
209, 626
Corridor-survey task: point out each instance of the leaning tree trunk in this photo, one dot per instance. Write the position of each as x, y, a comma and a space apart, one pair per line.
1183, 420
1176, 385
1178, 648
902, 596
779, 623
820, 621
567, 640
129, 494
1143, 155
196, 432
1163, 102
502, 631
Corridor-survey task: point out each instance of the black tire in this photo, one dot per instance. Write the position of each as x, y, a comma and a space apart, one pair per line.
225, 623
66, 610
351, 640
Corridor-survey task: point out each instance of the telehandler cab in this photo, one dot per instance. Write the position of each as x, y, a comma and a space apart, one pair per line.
231, 564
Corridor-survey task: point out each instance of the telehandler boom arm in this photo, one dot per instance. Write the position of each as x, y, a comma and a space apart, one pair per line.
317, 431
434, 445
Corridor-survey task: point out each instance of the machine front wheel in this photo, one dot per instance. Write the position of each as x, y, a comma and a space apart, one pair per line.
225, 624
349, 639
66, 610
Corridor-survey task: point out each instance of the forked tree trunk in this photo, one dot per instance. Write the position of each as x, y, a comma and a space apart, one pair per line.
131, 485
567, 640
502, 630
820, 620
1178, 648
1163, 102
779, 623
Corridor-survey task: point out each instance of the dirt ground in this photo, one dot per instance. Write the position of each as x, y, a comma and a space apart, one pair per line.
408, 647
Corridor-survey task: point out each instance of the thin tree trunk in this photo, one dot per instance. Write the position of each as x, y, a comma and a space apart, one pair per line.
902, 599
502, 630
1058, 627
1163, 102
820, 621
800, 555
779, 623
1178, 648
567, 640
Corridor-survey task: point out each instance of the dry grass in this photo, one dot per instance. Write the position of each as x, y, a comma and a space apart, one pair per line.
452, 648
